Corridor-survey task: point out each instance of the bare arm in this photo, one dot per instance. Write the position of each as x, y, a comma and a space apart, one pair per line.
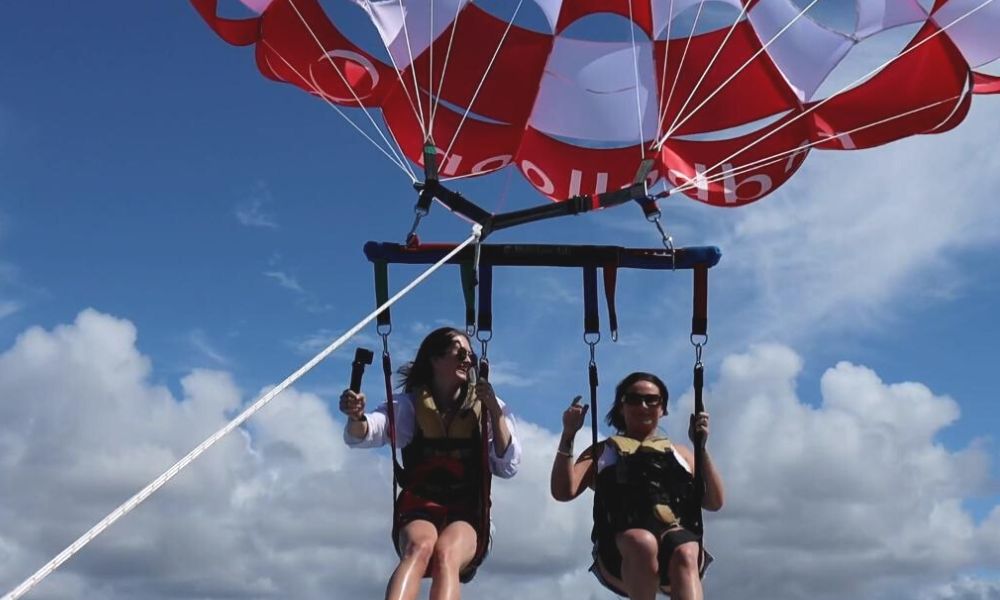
569, 478
714, 492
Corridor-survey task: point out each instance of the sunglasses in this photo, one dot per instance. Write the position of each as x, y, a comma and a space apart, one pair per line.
650, 400
461, 354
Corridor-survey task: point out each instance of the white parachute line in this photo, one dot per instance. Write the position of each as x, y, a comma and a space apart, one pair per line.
399, 76
397, 158
444, 67
680, 67
482, 81
846, 87
704, 73
635, 70
157, 483
413, 72
780, 156
678, 124
661, 109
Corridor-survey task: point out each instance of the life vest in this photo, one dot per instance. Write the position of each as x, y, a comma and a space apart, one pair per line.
444, 460
646, 486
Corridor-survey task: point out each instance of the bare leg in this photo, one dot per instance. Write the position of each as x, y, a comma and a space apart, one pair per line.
455, 548
416, 546
640, 569
684, 581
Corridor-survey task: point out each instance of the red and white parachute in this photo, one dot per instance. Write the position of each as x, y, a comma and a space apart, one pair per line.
580, 116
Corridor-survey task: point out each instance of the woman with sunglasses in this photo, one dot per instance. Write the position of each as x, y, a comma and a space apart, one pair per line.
644, 519
439, 421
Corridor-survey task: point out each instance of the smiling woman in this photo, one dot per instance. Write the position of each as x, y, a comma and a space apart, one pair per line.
647, 510
454, 434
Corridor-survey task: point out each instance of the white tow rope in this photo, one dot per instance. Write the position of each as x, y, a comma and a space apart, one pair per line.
157, 483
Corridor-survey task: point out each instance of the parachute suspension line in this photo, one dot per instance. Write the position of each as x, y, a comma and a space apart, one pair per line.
729, 34
635, 71
413, 72
167, 475
661, 109
680, 67
943, 29
436, 99
399, 76
785, 154
396, 158
678, 121
482, 81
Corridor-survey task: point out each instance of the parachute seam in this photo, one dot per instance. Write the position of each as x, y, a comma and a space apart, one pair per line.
160, 481
848, 86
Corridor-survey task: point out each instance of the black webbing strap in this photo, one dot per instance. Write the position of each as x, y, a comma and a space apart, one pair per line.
591, 319
591, 335
382, 293
699, 315
484, 322
699, 336
483, 534
397, 469
610, 283
469, 293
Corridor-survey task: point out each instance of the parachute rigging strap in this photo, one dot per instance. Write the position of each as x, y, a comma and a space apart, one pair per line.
29, 583
468, 274
457, 203
610, 283
591, 336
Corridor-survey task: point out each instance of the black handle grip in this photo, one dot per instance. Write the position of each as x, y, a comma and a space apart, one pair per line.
362, 357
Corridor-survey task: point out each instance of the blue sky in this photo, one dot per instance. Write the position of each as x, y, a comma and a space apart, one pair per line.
153, 185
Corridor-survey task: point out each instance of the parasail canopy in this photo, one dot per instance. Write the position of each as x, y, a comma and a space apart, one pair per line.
725, 116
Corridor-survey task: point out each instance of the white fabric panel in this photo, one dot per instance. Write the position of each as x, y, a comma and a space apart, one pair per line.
588, 92
551, 9
388, 16
806, 52
666, 10
977, 35
878, 15
258, 6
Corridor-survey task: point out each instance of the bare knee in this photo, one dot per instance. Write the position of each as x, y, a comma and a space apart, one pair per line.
638, 548
685, 558
420, 548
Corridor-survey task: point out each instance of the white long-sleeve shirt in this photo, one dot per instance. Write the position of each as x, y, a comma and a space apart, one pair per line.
378, 433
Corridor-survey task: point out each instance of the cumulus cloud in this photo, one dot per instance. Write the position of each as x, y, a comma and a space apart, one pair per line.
854, 496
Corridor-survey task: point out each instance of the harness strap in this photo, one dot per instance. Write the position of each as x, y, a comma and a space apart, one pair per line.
483, 535
469, 294
610, 282
699, 316
485, 319
591, 335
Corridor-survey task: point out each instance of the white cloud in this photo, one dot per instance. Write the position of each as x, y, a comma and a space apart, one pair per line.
851, 497
8, 307
251, 213
285, 280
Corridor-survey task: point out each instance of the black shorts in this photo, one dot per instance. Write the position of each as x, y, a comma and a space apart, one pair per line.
606, 551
